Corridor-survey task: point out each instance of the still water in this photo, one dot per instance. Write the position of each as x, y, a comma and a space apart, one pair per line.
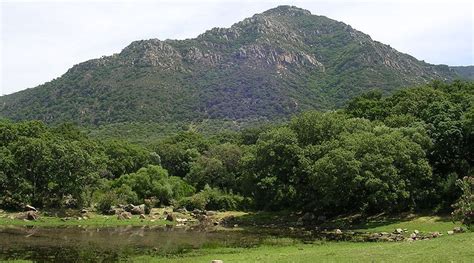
79, 244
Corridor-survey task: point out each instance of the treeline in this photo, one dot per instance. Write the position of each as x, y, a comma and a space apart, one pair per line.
379, 154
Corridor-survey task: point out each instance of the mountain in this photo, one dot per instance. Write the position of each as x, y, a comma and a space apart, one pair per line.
465, 72
269, 66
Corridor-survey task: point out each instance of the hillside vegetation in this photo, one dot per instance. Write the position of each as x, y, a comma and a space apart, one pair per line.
270, 66
406, 152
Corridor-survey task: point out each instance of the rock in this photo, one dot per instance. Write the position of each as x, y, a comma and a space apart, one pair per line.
338, 231
170, 217
124, 216
413, 235
307, 217
416, 232
384, 233
398, 231
31, 215
321, 218
450, 232
458, 230
181, 210
217, 261
435, 234
30, 208
84, 211
137, 210
142, 216
127, 208
211, 213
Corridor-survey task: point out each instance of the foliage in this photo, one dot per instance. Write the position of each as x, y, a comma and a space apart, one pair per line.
213, 199
464, 207
268, 67
154, 182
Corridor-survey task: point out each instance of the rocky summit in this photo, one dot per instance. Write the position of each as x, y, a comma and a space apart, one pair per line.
271, 65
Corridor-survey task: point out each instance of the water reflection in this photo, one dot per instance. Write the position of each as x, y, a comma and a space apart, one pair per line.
72, 244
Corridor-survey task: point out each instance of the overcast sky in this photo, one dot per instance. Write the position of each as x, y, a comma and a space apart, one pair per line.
40, 40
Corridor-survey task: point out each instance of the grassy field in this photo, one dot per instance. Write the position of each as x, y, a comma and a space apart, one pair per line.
455, 248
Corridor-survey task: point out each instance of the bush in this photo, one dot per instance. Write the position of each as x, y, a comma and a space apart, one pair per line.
197, 201
464, 207
106, 201
213, 199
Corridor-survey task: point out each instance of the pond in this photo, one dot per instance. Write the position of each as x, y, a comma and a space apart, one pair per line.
78, 244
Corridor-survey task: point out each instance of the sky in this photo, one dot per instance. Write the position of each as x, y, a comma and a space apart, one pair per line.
41, 40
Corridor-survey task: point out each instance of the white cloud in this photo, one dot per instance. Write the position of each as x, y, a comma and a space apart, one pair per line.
41, 40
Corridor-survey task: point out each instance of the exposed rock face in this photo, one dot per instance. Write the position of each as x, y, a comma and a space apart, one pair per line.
271, 65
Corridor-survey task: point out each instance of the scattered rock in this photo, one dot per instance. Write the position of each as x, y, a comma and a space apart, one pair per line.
307, 217
124, 216
170, 217
435, 234
211, 213
321, 218
32, 215
30, 208
181, 210
181, 220
135, 209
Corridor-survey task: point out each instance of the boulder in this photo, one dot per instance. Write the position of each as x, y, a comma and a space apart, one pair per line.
398, 231
338, 231
84, 211
138, 210
127, 208
124, 216
181, 210
142, 216
211, 213
416, 232
450, 232
30, 208
31, 215
321, 218
171, 217
458, 230
307, 217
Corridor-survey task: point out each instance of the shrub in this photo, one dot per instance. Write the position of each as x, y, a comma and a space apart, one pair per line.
106, 201
213, 199
464, 207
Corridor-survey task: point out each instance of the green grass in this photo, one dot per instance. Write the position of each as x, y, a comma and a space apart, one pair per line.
95, 220
420, 223
456, 248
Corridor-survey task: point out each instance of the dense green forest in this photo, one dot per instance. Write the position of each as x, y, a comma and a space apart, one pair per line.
412, 150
